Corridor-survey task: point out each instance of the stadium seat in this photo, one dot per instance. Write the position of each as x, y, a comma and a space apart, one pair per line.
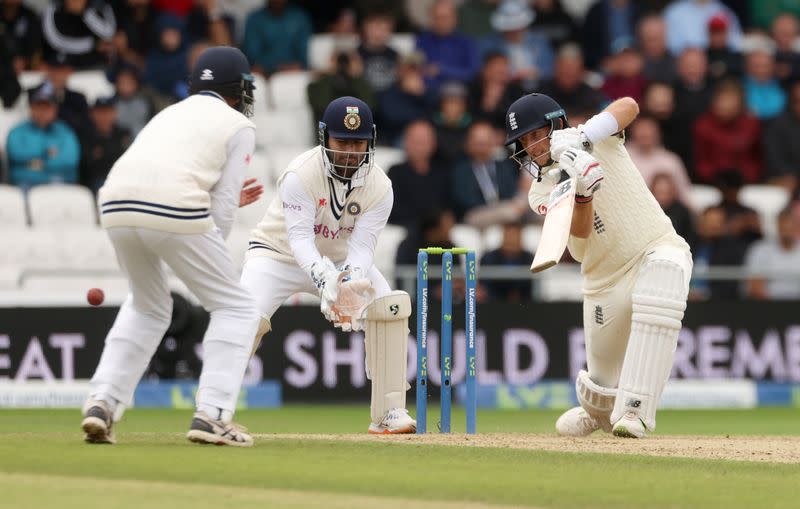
84, 248
61, 205
30, 250
30, 79
288, 90
386, 250
249, 216
403, 43
280, 128
703, 196
281, 157
386, 157
92, 84
12, 208
530, 237
768, 201
321, 48
463, 235
561, 283
115, 287
492, 237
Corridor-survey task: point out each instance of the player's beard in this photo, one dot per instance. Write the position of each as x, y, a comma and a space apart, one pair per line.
346, 164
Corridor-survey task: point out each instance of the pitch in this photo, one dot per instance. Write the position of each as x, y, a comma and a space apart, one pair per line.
319, 456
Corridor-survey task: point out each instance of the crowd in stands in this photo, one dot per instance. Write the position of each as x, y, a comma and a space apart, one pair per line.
718, 83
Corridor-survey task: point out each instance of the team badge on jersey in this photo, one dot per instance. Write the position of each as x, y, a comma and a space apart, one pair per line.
354, 208
352, 120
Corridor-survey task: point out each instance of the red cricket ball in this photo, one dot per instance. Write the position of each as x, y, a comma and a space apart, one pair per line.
95, 296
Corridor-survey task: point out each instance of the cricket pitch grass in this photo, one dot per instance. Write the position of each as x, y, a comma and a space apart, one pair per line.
321, 457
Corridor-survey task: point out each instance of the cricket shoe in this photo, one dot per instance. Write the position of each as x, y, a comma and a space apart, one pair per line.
576, 422
98, 419
396, 422
630, 426
205, 430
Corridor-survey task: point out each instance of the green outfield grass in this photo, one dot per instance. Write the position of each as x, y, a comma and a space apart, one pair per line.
43, 463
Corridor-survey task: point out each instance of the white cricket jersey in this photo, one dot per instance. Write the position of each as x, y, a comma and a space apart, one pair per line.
628, 220
163, 181
338, 211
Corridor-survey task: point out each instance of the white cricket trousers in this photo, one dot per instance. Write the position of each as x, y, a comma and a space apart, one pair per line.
202, 262
271, 282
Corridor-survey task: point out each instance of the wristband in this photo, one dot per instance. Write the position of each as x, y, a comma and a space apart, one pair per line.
600, 127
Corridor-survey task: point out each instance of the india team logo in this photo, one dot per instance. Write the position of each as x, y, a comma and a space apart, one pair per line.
354, 208
352, 120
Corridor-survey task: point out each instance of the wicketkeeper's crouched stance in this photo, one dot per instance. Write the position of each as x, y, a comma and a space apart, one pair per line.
636, 268
318, 236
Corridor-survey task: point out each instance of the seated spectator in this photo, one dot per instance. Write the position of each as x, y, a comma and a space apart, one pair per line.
687, 23
568, 86
450, 56
624, 76
529, 54
723, 62
21, 32
776, 255
652, 159
80, 30
407, 100
10, 88
781, 147
133, 108
207, 21
763, 93
727, 136
787, 59
741, 221
481, 181
692, 93
605, 22
431, 228
422, 183
659, 64
492, 91
42, 150
553, 22
666, 194
713, 247
452, 121
101, 144
165, 67
763, 14
380, 59
276, 38
72, 106
345, 77
510, 254
134, 37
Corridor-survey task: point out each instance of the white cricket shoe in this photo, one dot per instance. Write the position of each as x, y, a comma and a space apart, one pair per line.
98, 419
205, 430
630, 426
575, 422
396, 422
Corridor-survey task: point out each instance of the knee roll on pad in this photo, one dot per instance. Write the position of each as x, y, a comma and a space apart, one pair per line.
264, 326
598, 401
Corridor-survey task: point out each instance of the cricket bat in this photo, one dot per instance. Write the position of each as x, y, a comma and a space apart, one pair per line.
557, 222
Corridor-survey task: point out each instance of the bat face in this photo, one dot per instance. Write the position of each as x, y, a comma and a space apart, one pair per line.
555, 232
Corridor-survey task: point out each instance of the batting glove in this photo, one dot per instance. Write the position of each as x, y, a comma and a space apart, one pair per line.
585, 169
562, 140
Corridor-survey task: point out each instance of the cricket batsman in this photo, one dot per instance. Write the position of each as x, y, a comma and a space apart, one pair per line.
171, 199
636, 269
318, 236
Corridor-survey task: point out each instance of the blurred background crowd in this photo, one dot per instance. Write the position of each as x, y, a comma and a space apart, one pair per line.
718, 84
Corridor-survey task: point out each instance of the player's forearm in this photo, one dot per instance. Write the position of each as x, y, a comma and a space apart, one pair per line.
582, 218
624, 110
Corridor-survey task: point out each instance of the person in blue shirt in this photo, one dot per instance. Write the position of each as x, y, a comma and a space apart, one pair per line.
276, 38
763, 92
42, 150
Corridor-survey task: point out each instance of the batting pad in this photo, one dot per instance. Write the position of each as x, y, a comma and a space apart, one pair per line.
659, 300
386, 344
598, 401
264, 326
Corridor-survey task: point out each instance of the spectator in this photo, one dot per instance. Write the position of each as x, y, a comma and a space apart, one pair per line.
764, 95
741, 221
344, 78
407, 100
276, 38
72, 106
727, 136
43, 149
723, 62
452, 121
133, 108
380, 59
492, 91
624, 72
450, 56
781, 149
553, 22
208, 22
763, 13
10, 88
179, 8
481, 184
776, 255
605, 22
652, 159
787, 59
134, 38
431, 228
692, 97
529, 54
22, 35
101, 144
666, 194
715, 247
510, 254
80, 30
659, 64
687, 24
473, 17
165, 67
421, 184
568, 86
